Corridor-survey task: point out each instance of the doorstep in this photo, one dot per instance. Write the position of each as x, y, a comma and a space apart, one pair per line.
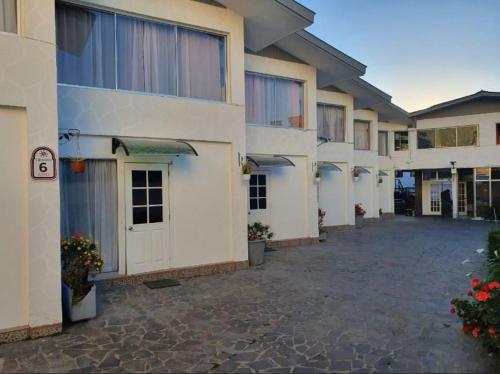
292, 242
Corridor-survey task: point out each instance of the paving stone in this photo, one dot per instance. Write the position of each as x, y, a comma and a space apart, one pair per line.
366, 300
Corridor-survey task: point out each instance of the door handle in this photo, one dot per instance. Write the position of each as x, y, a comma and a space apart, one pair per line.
130, 228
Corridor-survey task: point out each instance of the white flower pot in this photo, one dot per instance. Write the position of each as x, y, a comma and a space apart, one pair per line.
256, 250
356, 179
318, 180
360, 221
84, 309
246, 177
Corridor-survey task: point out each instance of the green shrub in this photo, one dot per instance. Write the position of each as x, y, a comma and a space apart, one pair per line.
494, 254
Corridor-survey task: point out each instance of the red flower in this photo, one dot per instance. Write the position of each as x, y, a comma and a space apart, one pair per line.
77, 235
475, 332
466, 328
492, 331
482, 296
469, 293
493, 285
86, 263
452, 310
485, 288
475, 283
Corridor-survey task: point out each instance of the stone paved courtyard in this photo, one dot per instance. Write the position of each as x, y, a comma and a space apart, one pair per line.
375, 299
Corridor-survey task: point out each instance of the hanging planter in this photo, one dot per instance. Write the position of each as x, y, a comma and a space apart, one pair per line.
247, 171
77, 165
317, 176
355, 174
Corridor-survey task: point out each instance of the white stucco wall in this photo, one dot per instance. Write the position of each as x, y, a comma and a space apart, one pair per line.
291, 186
209, 196
27, 81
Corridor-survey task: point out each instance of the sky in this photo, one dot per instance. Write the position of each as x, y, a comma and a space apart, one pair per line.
421, 52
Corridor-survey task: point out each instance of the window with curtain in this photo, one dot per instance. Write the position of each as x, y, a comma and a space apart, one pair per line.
426, 138
401, 140
85, 46
8, 16
153, 57
467, 135
383, 142
361, 135
498, 133
273, 101
331, 122
89, 205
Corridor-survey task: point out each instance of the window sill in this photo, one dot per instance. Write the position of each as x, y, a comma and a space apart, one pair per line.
277, 127
103, 89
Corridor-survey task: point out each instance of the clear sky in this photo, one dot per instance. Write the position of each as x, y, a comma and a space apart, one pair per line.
421, 52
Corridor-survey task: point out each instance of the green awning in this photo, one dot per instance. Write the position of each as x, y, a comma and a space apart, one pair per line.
327, 165
269, 161
382, 173
362, 170
153, 147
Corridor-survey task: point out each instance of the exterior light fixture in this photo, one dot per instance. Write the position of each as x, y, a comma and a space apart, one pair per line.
453, 168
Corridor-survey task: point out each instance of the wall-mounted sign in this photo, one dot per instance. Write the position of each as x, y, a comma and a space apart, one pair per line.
43, 164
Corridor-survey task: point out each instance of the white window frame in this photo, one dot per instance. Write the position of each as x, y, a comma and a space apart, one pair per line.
345, 120
386, 134
18, 20
259, 211
369, 135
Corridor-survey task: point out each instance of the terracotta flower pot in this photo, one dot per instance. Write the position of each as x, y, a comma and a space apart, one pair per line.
77, 166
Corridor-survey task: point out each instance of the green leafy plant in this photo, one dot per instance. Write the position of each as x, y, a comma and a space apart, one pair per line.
493, 254
79, 258
246, 168
259, 231
356, 172
317, 174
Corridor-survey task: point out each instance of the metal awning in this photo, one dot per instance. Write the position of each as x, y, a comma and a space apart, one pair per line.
362, 170
382, 173
269, 161
152, 147
327, 165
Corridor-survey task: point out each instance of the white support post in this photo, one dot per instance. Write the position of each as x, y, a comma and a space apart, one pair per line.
454, 193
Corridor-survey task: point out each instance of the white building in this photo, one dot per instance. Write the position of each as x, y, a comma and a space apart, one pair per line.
166, 100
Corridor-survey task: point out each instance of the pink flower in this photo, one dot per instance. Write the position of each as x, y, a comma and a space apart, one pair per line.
77, 235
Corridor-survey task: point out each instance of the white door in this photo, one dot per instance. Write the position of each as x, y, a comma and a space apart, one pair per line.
147, 217
462, 198
436, 189
258, 198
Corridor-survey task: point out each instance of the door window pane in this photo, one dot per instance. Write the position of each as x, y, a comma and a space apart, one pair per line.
139, 196
467, 135
362, 135
382, 143
8, 16
85, 46
447, 137
426, 138
155, 214
155, 196
140, 215
138, 178
495, 197
401, 140
145, 56
201, 62
498, 133
154, 178
331, 122
482, 174
495, 173
482, 199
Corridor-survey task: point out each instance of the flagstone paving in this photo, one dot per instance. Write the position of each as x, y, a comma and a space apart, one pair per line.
369, 300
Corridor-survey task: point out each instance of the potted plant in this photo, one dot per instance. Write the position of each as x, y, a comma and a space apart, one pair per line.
246, 169
258, 234
359, 213
317, 176
355, 174
321, 229
79, 260
77, 165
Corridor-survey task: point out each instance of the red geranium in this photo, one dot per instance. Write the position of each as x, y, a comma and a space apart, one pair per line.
475, 332
485, 288
475, 283
492, 331
493, 285
482, 296
77, 235
466, 328
452, 310
469, 293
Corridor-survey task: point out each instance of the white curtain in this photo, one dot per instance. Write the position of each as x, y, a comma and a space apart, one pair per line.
383, 143
362, 135
201, 65
289, 103
145, 56
331, 122
259, 99
8, 16
85, 46
89, 205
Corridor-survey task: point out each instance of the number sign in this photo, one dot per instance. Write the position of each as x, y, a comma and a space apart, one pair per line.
43, 164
